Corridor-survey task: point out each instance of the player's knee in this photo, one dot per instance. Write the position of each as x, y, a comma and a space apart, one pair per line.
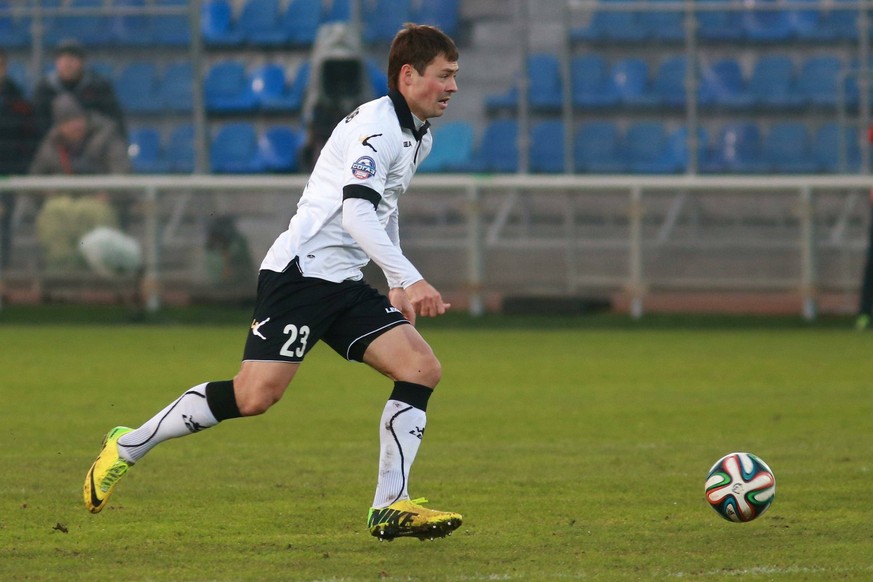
253, 400
429, 371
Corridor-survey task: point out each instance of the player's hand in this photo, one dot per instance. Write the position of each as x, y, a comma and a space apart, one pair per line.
426, 300
398, 298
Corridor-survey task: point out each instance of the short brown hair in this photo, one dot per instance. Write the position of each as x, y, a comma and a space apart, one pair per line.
417, 45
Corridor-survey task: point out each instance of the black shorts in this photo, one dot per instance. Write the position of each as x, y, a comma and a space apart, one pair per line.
293, 312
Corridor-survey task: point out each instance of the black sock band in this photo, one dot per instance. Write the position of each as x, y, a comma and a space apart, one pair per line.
221, 400
410, 393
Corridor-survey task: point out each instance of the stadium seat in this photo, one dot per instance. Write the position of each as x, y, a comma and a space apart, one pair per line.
179, 156
766, 25
452, 148
17, 71
271, 91
144, 150
808, 25
722, 85
596, 148
617, 25
719, 25
665, 24
176, 90
234, 149
217, 24
591, 86
227, 89
834, 157
378, 79
131, 29
137, 88
786, 149
339, 11
443, 14
382, 19
545, 91
630, 79
817, 81
737, 150
547, 147
278, 149
172, 29
14, 28
644, 148
300, 21
498, 150
771, 85
53, 30
259, 23
676, 156
668, 85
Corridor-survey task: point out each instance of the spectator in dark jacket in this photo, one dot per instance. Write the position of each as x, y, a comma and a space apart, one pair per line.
17, 140
94, 92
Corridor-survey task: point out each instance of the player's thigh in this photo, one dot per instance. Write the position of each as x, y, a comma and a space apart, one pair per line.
402, 354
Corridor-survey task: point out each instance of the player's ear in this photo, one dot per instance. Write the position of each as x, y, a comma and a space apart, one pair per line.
407, 74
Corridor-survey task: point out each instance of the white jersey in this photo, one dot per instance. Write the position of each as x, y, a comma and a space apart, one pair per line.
368, 161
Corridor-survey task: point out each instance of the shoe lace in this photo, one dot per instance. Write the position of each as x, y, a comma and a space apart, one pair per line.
419, 501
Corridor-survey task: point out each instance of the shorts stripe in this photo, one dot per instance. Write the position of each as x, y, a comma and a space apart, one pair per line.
376, 331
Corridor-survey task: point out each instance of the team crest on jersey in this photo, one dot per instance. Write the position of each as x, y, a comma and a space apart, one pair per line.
364, 167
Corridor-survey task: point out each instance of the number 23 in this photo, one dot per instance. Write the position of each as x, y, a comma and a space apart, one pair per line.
288, 349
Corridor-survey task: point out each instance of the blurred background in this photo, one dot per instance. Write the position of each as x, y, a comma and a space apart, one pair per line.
635, 156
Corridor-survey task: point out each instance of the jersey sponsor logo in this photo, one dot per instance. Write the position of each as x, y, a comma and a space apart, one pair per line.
364, 167
366, 141
256, 327
407, 144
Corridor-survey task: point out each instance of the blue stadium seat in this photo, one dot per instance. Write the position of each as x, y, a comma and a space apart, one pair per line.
338, 11
766, 25
809, 25
217, 24
719, 25
665, 25
172, 29
54, 30
17, 71
259, 23
771, 85
443, 14
278, 149
817, 81
591, 86
137, 88
676, 157
227, 88
786, 149
14, 28
644, 148
131, 29
841, 20
597, 148
722, 85
545, 92
383, 18
452, 148
179, 156
668, 85
300, 21
547, 147
498, 150
630, 79
271, 90
737, 150
144, 149
234, 149
832, 156
378, 79
617, 25
176, 89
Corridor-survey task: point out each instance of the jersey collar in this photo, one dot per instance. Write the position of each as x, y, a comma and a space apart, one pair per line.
404, 115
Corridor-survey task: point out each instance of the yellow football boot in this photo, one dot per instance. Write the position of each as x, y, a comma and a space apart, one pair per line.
407, 518
106, 471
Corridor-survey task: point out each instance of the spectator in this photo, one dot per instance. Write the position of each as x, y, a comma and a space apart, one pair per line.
17, 140
80, 143
71, 76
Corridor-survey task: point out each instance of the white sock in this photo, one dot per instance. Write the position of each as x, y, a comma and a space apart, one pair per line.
400, 435
188, 414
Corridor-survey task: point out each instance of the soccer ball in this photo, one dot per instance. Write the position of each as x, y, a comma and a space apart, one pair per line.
740, 487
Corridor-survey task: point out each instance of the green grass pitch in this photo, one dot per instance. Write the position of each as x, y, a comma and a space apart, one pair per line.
574, 451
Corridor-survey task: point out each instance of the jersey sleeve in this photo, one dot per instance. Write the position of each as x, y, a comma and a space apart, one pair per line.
369, 154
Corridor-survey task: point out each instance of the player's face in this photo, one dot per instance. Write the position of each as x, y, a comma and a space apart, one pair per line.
428, 94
